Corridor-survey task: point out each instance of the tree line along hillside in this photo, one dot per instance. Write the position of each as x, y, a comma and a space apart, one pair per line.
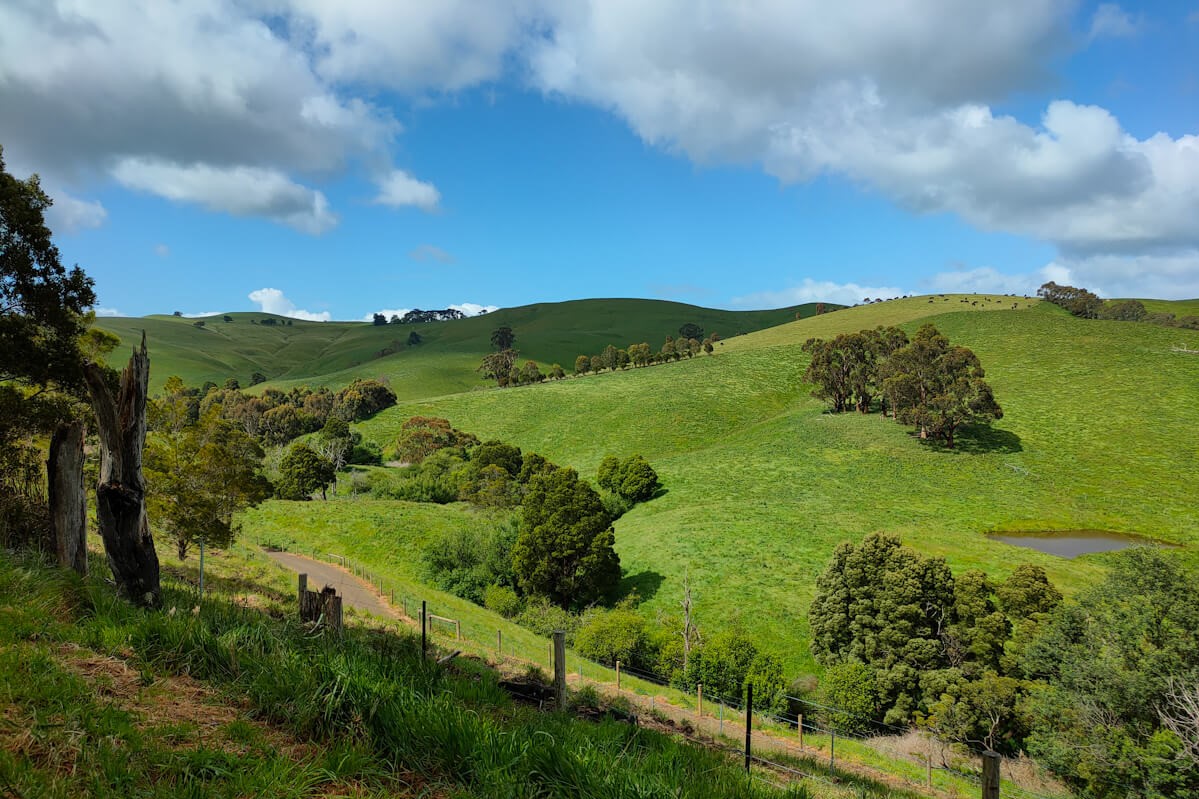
439, 359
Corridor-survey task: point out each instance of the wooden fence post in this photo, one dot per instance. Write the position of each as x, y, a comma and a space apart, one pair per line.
990, 775
799, 726
749, 726
699, 705
334, 610
832, 748
560, 669
499, 642
457, 630
424, 635
618, 675
303, 581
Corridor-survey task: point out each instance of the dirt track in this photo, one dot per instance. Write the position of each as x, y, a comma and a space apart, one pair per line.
354, 592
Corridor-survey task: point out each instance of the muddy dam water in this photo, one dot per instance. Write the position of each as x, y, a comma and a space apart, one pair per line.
1072, 543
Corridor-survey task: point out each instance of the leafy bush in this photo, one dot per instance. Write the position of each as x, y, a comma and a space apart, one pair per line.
632, 479
543, 617
621, 633
850, 687
502, 599
361, 399
467, 562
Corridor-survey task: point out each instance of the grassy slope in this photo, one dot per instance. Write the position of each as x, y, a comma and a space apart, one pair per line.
334, 353
762, 484
1179, 308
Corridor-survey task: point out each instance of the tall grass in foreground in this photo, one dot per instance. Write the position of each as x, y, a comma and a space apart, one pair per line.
369, 693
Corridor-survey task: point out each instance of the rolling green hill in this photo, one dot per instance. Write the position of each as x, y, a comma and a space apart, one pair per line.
294, 352
762, 483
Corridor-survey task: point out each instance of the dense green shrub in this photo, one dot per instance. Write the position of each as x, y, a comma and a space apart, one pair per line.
502, 599
467, 562
849, 688
620, 633
543, 617
631, 479
565, 547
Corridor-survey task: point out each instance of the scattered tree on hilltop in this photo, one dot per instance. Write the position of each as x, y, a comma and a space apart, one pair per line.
502, 338
938, 387
691, 330
498, 366
1079, 302
565, 547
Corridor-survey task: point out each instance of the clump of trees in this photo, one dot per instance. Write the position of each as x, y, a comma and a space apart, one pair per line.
925, 382
637, 355
631, 479
1086, 305
905, 641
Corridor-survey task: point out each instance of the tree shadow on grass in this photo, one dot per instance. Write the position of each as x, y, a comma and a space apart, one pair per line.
646, 584
978, 439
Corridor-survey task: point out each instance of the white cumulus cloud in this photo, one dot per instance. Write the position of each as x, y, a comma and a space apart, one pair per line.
816, 291
238, 190
70, 214
274, 302
102, 311
474, 309
398, 189
1111, 21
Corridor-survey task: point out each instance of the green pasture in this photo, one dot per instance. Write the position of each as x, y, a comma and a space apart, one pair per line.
762, 483
335, 353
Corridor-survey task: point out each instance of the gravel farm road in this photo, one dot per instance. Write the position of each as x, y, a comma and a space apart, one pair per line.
354, 592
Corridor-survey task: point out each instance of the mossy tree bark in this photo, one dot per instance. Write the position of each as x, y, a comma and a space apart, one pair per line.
121, 490
68, 498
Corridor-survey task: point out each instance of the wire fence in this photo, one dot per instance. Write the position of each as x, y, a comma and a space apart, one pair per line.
800, 734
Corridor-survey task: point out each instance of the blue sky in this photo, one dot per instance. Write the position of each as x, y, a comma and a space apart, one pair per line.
330, 160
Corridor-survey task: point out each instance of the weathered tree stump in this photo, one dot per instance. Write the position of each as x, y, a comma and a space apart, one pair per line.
121, 490
68, 497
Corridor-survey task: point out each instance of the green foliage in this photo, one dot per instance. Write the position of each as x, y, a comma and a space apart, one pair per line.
1027, 592
849, 688
1123, 311
42, 304
1107, 661
362, 399
983, 713
1079, 302
724, 663
198, 477
302, 472
632, 479
543, 617
503, 600
466, 562
565, 547
619, 633
421, 436
502, 338
938, 387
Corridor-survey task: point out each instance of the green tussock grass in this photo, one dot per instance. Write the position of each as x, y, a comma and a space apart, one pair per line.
383, 721
335, 353
762, 483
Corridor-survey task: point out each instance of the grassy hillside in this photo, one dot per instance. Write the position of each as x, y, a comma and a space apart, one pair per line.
334, 353
1179, 308
762, 483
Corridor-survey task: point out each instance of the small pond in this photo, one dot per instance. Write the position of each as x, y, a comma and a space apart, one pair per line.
1072, 543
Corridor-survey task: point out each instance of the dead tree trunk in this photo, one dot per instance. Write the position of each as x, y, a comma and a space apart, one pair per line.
68, 498
121, 491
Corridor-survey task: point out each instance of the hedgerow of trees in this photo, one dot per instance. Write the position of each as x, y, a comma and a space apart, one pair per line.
637, 355
925, 382
1087, 305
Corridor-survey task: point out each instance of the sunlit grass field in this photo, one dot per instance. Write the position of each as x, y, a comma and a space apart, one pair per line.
762, 483
335, 353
